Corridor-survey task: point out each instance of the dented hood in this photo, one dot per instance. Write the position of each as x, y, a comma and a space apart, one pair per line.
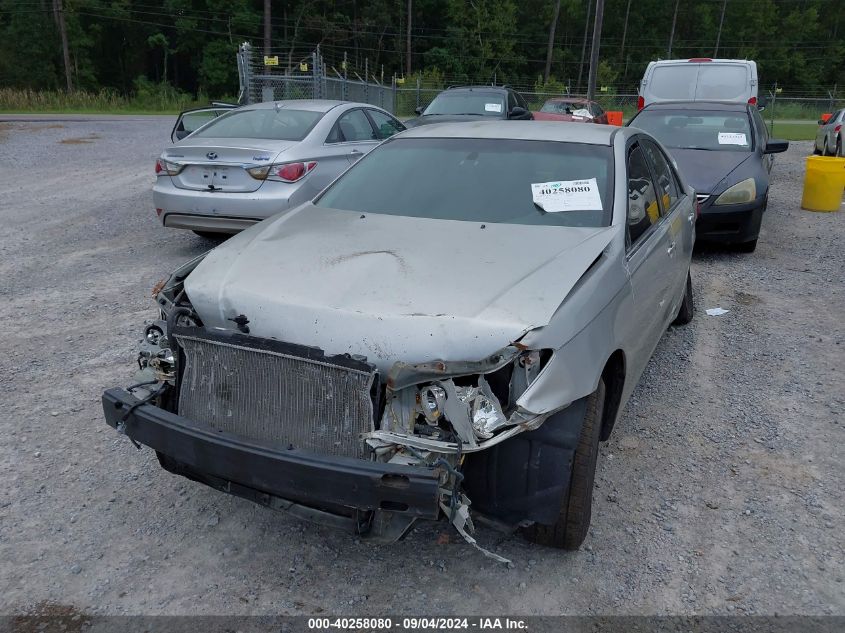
392, 288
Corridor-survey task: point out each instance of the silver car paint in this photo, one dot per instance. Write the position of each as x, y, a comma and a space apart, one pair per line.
188, 201
455, 293
826, 135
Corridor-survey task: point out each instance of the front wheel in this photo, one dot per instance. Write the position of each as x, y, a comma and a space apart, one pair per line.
747, 247
573, 521
211, 235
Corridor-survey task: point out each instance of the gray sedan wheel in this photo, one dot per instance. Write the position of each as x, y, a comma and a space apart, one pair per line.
576, 510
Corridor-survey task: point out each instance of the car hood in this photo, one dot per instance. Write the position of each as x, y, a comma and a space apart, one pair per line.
704, 169
392, 288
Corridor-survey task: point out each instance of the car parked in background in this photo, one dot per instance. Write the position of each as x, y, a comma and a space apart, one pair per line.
725, 153
699, 79
459, 318
571, 109
464, 103
829, 135
245, 164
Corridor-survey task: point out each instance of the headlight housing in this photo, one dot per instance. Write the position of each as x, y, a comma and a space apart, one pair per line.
740, 193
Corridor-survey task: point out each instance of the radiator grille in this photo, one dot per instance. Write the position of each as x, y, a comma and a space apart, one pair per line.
277, 396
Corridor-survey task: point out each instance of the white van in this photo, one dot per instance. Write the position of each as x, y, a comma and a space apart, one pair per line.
699, 79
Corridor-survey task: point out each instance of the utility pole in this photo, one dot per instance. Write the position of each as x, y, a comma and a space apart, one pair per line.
584, 42
552, 28
408, 40
60, 20
672, 32
719, 33
267, 29
594, 52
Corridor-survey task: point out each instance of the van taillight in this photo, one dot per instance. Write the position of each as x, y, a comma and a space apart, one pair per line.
640, 103
752, 101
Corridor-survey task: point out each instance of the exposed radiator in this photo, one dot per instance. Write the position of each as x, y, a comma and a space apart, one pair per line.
276, 392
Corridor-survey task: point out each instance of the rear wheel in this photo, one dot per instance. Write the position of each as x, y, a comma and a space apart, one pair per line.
570, 529
816, 151
687, 309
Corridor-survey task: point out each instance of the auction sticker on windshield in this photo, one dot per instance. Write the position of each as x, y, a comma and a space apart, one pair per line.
732, 138
492, 107
567, 195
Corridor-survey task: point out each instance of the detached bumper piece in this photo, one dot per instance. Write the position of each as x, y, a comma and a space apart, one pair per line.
262, 472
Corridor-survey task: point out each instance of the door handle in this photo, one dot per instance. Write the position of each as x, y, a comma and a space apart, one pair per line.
691, 217
671, 249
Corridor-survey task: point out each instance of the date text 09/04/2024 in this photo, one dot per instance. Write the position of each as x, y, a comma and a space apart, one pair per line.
417, 623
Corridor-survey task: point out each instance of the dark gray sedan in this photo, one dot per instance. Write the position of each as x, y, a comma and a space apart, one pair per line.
725, 153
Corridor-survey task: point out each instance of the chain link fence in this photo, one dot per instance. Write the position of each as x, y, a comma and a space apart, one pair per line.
305, 74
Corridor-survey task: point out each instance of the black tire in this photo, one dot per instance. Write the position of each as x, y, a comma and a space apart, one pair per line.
573, 522
687, 309
211, 235
747, 247
816, 151
838, 151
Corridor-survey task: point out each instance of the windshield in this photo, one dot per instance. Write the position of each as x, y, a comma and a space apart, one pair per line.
265, 123
480, 180
478, 103
698, 129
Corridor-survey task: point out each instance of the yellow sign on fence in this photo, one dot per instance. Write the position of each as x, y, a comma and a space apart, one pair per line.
303, 67
271, 61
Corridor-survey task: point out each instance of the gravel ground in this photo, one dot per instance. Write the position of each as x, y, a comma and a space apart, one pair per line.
720, 491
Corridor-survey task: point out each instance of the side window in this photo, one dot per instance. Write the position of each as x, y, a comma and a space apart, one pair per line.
520, 100
386, 126
667, 186
760, 127
511, 101
643, 209
355, 126
597, 111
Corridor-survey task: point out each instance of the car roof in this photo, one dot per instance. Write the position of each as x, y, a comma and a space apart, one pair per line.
313, 105
727, 106
560, 131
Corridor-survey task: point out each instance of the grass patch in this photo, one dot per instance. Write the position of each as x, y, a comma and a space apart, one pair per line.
795, 131
146, 99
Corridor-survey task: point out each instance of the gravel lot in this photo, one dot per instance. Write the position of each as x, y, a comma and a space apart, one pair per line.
720, 491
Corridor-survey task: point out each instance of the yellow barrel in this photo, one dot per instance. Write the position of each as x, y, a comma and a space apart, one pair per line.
824, 182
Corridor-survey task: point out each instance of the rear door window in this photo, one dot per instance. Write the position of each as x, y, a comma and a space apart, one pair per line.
723, 82
386, 126
676, 82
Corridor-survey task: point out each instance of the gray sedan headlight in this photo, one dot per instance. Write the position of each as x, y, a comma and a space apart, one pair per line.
740, 193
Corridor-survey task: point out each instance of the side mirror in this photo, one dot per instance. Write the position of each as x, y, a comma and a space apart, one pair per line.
517, 112
776, 146
761, 107
419, 111
821, 121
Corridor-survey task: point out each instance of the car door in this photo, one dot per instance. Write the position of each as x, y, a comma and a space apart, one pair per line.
647, 259
353, 135
761, 132
678, 213
190, 121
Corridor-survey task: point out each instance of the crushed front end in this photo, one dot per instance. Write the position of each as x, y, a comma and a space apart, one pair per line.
323, 437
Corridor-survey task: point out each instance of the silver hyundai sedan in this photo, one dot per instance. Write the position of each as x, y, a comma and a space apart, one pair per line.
252, 162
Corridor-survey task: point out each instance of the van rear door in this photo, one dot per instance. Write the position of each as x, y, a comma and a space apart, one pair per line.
723, 82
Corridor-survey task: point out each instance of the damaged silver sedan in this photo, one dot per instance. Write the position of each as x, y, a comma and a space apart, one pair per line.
450, 328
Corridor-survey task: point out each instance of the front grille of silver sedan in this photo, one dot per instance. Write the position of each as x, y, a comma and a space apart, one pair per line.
287, 395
